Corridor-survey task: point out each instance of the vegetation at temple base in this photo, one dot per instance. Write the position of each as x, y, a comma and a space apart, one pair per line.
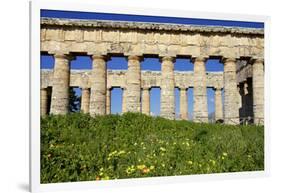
77, 147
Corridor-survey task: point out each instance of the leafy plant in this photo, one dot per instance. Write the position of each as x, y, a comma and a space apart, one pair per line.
77, 147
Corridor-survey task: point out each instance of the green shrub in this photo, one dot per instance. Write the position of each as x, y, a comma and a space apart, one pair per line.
77, 147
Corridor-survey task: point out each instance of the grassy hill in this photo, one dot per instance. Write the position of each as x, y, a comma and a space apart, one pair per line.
77, 147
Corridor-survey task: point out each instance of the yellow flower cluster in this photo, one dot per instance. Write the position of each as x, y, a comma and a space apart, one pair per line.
143, 169
224, 155
115, 154
131, 169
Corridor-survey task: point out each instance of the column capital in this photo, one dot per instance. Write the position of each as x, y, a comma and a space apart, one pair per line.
183, 88
217, 88
199, 59
63, 56
146, 88
85, 88
227, 59
135, 57
254, 60
167, 58
101, 57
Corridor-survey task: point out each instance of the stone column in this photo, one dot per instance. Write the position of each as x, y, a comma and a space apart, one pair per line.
60, 90
183, 104
231, 114
43, 101
108, 101
258, 91
124, 106
98, 89
218, 104
167, 88
145, 101
133, 94
200, 109
85, 100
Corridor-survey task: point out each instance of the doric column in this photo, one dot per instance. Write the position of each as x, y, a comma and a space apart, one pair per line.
218, 104
85, 100
183, 104
200, 109
108, 100
167, 88
124, 106
98, 89
60, 90
133, 94
258, 91
231, 114
145, 101
43, 101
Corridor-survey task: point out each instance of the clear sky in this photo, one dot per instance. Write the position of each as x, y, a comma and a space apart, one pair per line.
120, 63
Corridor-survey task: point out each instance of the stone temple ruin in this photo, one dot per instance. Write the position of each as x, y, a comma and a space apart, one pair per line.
239, 49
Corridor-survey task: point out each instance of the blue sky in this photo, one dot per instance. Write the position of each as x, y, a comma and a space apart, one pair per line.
120, 63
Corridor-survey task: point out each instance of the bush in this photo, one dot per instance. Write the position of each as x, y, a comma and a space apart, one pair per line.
77, 147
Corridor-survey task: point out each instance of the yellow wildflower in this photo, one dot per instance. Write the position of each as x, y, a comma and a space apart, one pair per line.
141, 167
130, 169
162, 149
151, 167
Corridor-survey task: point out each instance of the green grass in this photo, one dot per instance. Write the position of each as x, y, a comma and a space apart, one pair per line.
77, 147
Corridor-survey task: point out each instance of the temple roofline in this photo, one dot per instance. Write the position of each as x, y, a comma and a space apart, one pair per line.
149, 26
